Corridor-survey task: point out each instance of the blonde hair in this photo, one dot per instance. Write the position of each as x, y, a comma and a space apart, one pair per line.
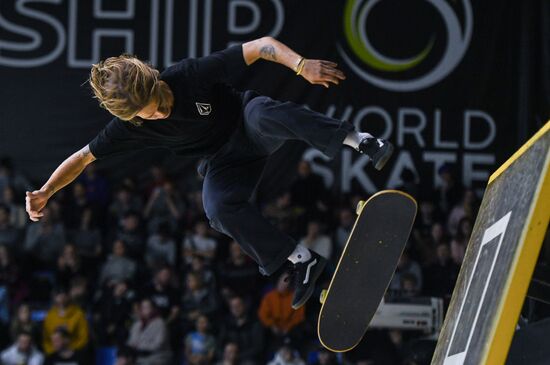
124, 85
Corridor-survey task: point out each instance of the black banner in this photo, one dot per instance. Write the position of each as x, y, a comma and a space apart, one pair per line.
458, 82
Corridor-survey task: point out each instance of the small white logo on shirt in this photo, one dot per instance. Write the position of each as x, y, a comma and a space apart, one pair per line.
204, 108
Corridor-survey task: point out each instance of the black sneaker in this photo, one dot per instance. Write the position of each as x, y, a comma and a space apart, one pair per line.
304, 275
379, 150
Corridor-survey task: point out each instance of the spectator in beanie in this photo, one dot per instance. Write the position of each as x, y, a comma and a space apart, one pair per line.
200, 345
22, 352
118, 266
149, 336
62, 352
244, 330
67, 316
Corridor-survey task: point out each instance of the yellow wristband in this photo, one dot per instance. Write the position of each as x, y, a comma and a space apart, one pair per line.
300, 67
298, 64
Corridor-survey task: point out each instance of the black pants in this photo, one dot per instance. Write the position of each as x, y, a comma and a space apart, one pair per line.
233, 172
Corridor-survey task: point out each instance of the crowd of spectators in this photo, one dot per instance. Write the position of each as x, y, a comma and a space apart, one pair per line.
133, 265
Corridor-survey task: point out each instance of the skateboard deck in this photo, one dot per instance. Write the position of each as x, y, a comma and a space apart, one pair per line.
365, 268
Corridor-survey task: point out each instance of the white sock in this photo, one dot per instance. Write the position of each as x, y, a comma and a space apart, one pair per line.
354, 138
300, 254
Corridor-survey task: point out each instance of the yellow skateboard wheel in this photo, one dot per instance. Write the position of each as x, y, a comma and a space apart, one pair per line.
323, 296
360, 206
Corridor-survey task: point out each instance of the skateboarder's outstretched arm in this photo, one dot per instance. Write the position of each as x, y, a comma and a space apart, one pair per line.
317, 72
62, 176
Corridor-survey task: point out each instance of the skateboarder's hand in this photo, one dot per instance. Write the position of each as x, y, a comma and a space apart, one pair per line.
319, 72
34, 203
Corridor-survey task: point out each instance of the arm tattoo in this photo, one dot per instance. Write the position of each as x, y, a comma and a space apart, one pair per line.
268, 52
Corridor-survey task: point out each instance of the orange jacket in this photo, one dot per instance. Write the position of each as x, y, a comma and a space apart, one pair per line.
276, 310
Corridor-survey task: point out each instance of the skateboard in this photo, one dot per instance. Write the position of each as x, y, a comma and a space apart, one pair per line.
365, 268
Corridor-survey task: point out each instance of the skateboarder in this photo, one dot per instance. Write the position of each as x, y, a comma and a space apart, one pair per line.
191, 109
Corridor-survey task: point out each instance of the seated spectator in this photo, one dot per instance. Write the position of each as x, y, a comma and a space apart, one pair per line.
161, 247
308, 191
9, 176
278, 317
113, 309
75, 206
243, 329
316, 241
409, 286
45, 239
459, 243
426, 218
448, 191
68, 265
125, 356
230, 355
200, 345
286, 356
165, 206
8, 233
198, 299
425, 248
281, 213
22, 352
18, 215
149, 336
117, 267
404, 266
96, 186
124, 201
11, 280
199, 243
346, 219
130, 231
466, 208
68, 317
22, 323
163, 294
87, 237
62, 351
198, 266
441, 275
239, 274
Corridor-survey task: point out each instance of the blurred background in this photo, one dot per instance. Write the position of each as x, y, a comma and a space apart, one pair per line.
124, 267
